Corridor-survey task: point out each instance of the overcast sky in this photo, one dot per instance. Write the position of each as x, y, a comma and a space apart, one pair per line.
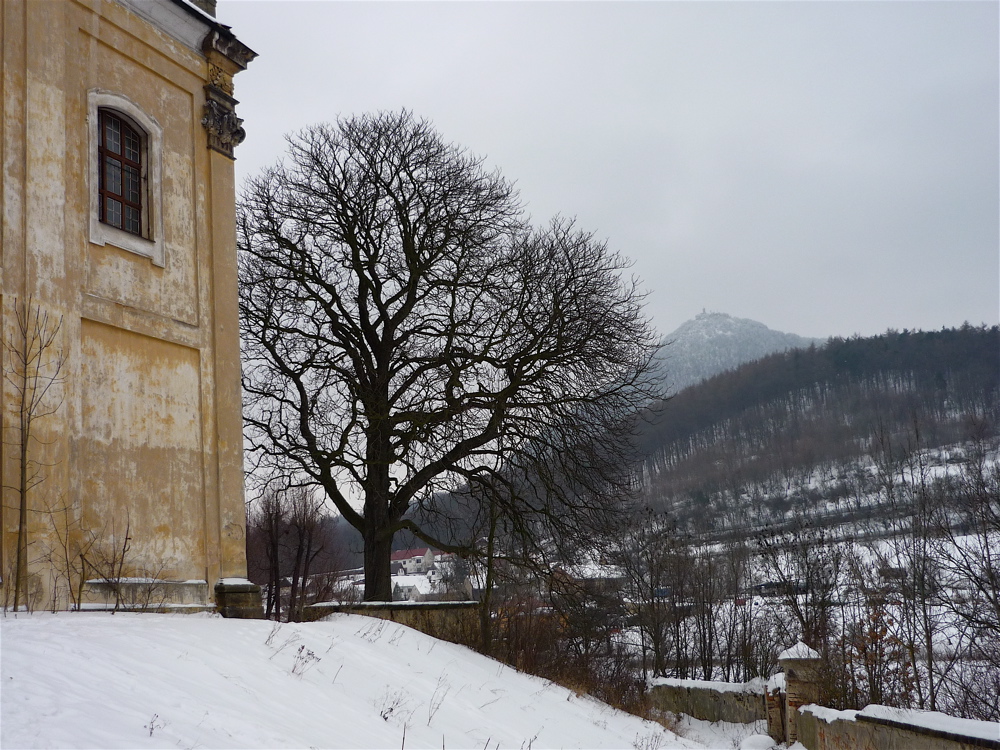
826, 168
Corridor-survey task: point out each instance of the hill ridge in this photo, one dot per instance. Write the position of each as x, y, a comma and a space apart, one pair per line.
713, 342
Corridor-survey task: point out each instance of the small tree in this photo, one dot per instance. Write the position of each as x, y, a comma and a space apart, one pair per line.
406, 333
913, 510
650, 556
266, 524
806, 567
305, 520
289, 540
971, 562
33, 368
68, 556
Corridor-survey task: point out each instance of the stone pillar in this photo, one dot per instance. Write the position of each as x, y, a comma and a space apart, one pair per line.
801, 666
226, 518
239, 599
774, 701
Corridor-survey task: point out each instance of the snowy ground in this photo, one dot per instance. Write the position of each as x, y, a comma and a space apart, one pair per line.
90, 680
726, 734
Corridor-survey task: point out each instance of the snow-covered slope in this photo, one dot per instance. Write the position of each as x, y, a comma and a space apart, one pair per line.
713, 342
89, 680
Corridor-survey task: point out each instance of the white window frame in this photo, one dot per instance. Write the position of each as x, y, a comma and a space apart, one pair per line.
150, 243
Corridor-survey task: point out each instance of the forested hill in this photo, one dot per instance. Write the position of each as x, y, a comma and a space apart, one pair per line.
790, 412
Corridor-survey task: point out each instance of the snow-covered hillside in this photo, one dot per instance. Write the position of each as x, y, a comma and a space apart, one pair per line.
89, 680
713, 342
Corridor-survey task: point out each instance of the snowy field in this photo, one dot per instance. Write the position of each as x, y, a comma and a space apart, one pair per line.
90, 680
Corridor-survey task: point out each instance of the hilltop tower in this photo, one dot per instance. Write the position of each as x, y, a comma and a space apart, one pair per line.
123, 480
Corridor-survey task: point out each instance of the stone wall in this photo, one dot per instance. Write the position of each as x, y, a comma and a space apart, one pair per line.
824, 729
711, 701
457, 622
819, 728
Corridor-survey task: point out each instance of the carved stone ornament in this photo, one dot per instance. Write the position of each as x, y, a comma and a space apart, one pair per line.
226, 56
220, 79
224, 43
225, 129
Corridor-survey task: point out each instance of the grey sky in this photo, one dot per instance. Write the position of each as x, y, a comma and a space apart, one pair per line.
826, 168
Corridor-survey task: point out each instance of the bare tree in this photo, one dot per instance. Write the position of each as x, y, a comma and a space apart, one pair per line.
67, 556
266, 525
806, 567
304, 526
405, 333
913, 509
33, 368
971, 563
290, 546
877, 666
651, 556
109, 558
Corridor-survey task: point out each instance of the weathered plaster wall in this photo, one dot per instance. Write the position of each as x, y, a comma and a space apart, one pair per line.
171, 292
148, 426
150, 474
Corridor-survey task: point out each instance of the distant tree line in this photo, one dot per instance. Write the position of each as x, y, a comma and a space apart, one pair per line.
753, 429
903, 607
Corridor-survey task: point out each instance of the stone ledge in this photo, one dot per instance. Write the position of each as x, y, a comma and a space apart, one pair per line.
239, 599
157, 609
829, 729
144, 594
390, 606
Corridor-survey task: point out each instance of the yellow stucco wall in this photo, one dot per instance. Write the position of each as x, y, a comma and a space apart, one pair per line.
147, 431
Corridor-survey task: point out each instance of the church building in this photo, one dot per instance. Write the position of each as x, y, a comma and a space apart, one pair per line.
122, 452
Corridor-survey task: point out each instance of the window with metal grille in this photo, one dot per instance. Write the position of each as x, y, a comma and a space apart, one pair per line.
120, 154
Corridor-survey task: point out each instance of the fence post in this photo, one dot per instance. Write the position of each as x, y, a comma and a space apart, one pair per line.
774, 702
801, 666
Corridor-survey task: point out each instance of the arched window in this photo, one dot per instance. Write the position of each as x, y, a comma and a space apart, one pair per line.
121, 176
125, 175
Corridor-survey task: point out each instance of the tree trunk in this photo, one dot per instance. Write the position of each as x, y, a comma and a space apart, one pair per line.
293, 594
274, 572
378, 551
378, 517
20, 570
307, 562
486, 604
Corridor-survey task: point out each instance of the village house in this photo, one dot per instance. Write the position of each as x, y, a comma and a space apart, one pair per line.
410, 561
119, 288
427, 574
